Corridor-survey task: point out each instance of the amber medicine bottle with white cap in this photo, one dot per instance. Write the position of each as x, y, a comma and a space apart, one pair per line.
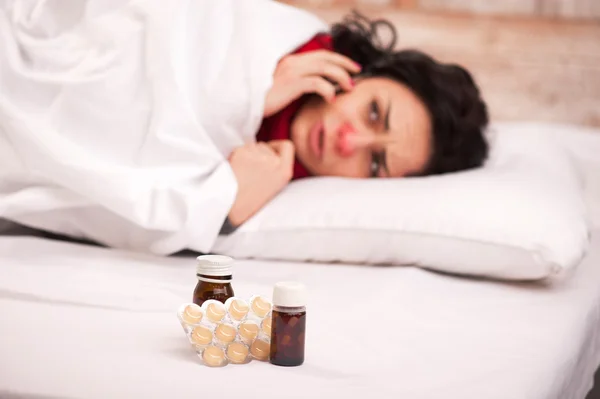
214, 279
288, 325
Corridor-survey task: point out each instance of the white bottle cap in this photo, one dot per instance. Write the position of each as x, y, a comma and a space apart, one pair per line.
214, 265
289, 294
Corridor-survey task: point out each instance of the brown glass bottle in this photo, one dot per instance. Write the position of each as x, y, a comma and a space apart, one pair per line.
288, 324
214, 279
209, 290
287, 336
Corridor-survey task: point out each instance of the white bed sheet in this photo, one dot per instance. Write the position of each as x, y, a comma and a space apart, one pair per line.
87, 322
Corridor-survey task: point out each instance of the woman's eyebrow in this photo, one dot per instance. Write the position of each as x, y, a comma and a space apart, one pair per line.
387, 116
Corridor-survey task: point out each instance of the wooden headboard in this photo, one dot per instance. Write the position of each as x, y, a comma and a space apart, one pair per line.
528, 68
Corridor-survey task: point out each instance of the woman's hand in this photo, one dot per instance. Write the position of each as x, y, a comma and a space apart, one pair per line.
300, 74
262, 170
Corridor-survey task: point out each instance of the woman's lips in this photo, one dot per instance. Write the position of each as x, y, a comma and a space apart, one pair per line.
316, 138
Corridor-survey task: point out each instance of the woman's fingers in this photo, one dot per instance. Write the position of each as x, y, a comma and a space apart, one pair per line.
317, 85
314, 72
263, 148
285, 150
262, 170
334, 73
267, 153
338, 59
333, 66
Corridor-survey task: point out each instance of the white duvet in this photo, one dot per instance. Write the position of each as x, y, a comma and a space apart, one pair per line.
116, 116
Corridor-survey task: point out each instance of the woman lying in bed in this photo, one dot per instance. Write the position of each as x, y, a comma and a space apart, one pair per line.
161, 150
347, 106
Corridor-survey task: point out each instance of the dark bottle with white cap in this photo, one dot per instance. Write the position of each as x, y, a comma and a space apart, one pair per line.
214, 279
288, 324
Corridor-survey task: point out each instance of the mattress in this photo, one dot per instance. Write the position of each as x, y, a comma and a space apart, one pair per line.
87, 322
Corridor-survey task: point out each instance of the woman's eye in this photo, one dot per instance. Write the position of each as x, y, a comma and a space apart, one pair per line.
374, 112
375, 164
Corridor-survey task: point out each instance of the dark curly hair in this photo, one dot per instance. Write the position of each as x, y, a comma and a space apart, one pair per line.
458, 113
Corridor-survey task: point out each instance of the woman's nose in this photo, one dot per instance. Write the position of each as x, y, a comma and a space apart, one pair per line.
349, 140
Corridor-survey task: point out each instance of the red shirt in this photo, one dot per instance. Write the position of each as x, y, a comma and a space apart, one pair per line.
278, 126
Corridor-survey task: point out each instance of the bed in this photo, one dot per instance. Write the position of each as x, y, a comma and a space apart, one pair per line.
88, 322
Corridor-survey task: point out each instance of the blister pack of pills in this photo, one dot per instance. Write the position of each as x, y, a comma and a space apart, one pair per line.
235, 332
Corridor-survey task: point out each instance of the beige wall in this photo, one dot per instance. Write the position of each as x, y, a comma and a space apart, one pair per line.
568, 9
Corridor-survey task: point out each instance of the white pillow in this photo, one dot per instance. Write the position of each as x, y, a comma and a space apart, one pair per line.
522, 216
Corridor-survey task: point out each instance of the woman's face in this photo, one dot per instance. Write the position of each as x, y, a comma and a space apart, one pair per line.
379, 129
